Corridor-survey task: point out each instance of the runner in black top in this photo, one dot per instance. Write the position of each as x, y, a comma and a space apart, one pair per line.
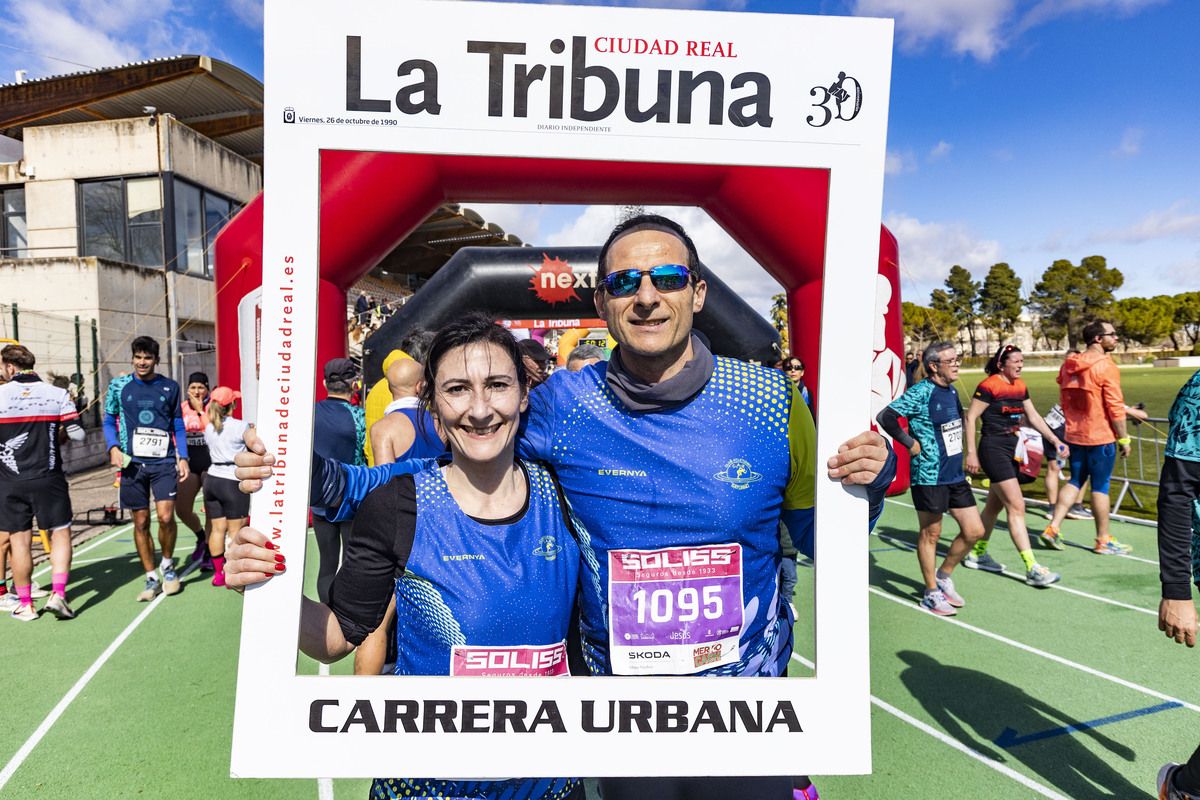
1000, 400
195, 419
478, 550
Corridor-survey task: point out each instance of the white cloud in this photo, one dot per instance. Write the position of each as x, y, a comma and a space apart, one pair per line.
940, 151
250, 12
1185, 275
1131, 143
981, 28
899, 162
929, 249
1155, 225
1047, 10
970, 28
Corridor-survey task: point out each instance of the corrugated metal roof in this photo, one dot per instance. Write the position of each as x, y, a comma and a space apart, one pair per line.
217, 98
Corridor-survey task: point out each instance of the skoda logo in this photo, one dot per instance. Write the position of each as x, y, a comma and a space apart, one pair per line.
547, 548
738, 474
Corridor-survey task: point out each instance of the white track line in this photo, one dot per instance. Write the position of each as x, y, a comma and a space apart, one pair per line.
1073, 544
324, 785
1030, 649
126, 528
1045, 791
1153, 612
32, 742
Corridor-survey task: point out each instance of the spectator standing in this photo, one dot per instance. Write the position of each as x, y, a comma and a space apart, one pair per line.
1090, 394
793, 367
536, 360
1178, 492
339, 432
584, 355
32, 481
147, 442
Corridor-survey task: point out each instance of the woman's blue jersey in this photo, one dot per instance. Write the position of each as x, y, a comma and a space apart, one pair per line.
485, 598
935, 420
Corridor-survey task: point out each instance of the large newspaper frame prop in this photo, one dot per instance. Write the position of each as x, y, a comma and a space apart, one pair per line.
305, 726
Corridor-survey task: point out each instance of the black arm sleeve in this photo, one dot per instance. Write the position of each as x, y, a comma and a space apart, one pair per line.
1179, 485
889, 420
375, 558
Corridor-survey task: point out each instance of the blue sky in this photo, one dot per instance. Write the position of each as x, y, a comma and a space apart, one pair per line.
1022, 131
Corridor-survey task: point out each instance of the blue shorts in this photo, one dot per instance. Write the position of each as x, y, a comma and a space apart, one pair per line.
138, 480
1095, 461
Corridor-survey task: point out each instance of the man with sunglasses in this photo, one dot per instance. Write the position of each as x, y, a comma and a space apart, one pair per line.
935, 441
670, 455
1089, 389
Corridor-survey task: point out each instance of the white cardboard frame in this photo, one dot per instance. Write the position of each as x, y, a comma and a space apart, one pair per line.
305, 74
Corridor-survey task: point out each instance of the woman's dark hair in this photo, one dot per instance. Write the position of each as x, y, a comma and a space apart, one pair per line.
473, 328
996, 362
789, 360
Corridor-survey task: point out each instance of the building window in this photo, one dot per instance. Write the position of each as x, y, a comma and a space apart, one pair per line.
199, 217
122, 220
14, 239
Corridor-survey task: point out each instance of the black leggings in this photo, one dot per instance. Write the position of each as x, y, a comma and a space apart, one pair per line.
723, 788
331, 540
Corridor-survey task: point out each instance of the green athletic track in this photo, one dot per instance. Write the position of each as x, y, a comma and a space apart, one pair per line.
136, 700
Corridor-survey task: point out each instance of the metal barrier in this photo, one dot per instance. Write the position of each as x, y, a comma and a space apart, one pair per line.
1150, 435
66, 350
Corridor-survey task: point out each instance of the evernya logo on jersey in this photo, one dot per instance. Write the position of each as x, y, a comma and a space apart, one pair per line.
738, 474
8, 451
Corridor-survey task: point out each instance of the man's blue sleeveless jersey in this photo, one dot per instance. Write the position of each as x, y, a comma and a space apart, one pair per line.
485, 599
155, 406
717, 470
935, 420
1183, 439
426, 443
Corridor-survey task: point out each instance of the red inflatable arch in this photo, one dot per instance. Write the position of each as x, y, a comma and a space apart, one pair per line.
371, 201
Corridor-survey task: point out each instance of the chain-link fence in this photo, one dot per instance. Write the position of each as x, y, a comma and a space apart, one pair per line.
66, 351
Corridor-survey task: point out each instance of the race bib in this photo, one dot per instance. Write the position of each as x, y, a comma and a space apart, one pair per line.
952, 433
675, 611
545, 661
196, 440
1055, 418
150, 442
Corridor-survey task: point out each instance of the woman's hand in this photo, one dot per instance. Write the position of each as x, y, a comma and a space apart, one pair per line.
251, 558
972, 463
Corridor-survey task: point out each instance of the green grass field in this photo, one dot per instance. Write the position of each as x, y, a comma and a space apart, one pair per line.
1156, 387
1064, 692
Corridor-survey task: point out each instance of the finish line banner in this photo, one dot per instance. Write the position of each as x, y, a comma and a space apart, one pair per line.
377, 113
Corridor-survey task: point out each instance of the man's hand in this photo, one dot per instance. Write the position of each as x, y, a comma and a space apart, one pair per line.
251, 558
1177, 619
1125, 450
254, 463
115, 457
860, 459
181, 465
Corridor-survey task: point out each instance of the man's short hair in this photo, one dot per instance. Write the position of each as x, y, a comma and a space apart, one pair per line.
584, 352
1094, 330
416, 342
18, 355
144, 344
649, 222
933, 353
